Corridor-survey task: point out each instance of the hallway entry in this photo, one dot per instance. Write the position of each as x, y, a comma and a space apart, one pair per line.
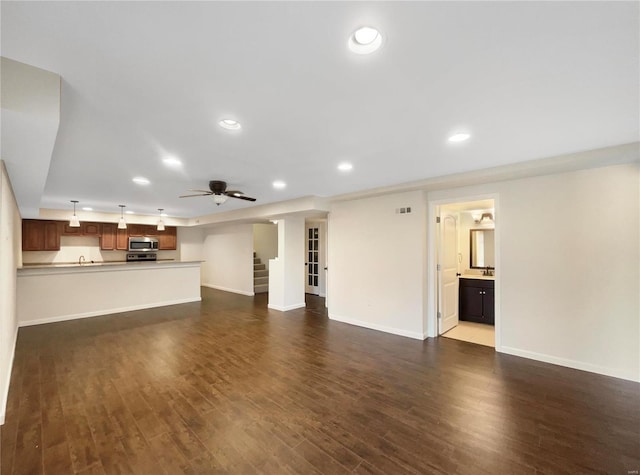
466, 271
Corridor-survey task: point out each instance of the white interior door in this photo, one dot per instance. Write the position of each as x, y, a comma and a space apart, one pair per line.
448, 278
315, 259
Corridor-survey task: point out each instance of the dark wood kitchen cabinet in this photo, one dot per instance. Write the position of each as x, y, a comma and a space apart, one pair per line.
108, 237
168, 239
136, 230
477, 301
122, 240
39, 235
85, 229
90, 229
70, 231
114, 239
44, 235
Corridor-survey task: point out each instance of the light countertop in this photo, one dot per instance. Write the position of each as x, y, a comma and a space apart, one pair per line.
478, 276
69, 267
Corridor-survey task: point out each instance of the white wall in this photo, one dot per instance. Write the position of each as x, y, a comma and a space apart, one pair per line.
228, 255
10, 260
68, 293
191, 245
569, 273
287, 272
30, 99
265, 242
377, 263
569, 266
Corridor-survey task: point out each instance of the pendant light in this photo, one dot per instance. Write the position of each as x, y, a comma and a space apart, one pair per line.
160, 223
122, 224
74, 222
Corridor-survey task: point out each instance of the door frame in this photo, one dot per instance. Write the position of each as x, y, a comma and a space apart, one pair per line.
322, 224
433, 211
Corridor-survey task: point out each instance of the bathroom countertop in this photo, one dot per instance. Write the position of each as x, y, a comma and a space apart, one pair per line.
478, 276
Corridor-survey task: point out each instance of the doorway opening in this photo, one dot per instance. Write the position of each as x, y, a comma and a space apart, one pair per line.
466, 263
316, 257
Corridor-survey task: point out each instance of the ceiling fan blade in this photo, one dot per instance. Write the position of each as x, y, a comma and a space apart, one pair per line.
202, 191
242, 197
190, 196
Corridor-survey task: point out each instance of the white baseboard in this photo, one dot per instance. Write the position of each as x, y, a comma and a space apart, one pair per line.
286, 308
571, 363
5, 390
97, 313
227, 289
381, 328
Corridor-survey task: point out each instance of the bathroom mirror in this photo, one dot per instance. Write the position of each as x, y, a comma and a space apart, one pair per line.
482, 248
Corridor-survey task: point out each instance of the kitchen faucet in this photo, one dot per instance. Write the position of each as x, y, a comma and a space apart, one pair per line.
81, 260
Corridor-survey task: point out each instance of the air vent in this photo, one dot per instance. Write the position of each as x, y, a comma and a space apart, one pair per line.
405, 210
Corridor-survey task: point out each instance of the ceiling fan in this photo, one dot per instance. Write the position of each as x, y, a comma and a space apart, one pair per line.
220, 193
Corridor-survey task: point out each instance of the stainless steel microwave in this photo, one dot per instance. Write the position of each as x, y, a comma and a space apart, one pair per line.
143, 244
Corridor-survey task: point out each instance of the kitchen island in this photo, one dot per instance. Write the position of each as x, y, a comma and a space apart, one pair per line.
55, 292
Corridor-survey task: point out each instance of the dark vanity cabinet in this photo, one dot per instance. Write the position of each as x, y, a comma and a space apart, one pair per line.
477, 301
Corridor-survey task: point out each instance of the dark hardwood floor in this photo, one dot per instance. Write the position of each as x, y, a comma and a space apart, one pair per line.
227, 386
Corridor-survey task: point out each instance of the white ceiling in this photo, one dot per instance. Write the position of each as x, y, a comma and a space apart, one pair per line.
143, 80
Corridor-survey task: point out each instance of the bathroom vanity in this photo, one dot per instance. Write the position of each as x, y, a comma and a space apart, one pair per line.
477, 303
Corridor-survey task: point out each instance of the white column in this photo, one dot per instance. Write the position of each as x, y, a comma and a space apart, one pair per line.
287, 271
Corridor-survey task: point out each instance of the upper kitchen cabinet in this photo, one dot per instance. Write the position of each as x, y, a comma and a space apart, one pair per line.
136, 230
38, 235
140, 230
42, 235
168, 239
85, 229
91, 229
122, 240
150, 229
108, 237
70, 231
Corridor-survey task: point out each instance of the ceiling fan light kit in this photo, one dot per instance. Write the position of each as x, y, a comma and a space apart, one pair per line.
218, 189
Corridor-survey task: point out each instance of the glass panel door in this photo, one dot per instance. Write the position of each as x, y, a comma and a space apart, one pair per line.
313, 260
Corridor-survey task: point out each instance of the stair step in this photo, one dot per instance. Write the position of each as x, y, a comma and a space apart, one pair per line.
256, 260
254, 254
260, 280
259, 267
260, 289
260, 273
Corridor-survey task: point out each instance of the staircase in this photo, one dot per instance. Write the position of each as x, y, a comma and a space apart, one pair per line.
260, 276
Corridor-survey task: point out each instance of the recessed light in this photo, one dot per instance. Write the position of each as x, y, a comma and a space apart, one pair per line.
172, 162
140, 180
365, 40
229, 124
129, 212
366, 35
345, 167
279, 185
461, 137
86, 208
